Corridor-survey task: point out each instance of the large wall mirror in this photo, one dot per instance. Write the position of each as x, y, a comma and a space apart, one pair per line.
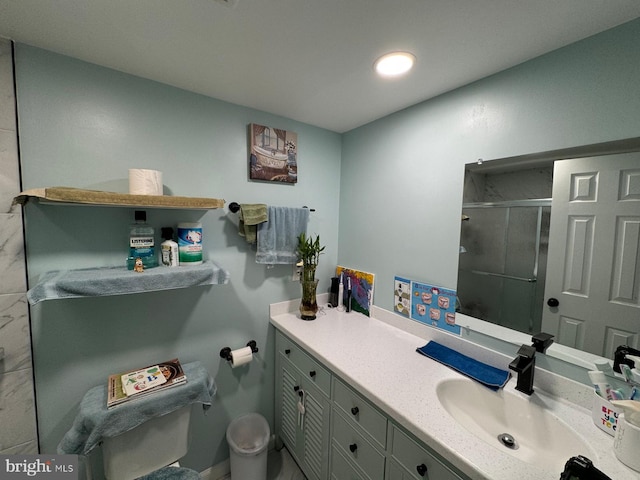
551, 242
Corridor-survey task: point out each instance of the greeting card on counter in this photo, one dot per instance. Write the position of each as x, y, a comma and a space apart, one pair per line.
361, 288
402, 296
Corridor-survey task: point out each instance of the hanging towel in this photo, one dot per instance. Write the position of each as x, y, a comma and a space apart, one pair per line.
278, 237
94, 421
251, 215
489, 376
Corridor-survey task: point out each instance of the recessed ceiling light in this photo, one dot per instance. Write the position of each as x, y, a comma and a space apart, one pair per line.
394, 64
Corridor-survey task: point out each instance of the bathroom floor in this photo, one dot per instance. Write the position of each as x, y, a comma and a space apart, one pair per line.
280, 466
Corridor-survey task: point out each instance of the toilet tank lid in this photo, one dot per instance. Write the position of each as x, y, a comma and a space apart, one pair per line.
94, 421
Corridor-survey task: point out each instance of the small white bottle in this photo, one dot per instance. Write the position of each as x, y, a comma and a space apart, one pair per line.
168, 248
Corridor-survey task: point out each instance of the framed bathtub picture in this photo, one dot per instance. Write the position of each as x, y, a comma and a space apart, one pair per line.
273, 154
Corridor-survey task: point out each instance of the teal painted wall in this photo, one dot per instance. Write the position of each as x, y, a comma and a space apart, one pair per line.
402, 176
398, 181
84, 126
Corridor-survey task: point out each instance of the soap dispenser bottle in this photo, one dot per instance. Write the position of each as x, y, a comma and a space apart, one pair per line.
141, 242
168, 248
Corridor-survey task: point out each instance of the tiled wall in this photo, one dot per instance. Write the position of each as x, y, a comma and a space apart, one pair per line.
17, 406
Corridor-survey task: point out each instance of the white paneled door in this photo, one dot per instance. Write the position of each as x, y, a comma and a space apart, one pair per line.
593, 272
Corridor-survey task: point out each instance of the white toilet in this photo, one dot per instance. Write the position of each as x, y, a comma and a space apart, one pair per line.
149, 447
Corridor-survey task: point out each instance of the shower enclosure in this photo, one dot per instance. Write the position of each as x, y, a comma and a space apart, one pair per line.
503, 258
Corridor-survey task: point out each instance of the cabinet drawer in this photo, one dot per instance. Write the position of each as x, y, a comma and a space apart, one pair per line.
361, 412
341, 469
355, 447
310, 369
417, 459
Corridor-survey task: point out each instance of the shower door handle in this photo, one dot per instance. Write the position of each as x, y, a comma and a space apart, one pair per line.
553, 302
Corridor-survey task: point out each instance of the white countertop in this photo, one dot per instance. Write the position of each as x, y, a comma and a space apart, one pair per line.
380, 361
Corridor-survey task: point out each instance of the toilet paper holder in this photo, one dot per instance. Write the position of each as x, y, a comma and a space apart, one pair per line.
226, 351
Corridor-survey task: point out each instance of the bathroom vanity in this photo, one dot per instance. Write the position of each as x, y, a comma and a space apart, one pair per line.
354, 400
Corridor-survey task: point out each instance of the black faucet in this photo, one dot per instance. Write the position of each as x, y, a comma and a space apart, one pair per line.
542, 341
524, 365
619, 357
581, 468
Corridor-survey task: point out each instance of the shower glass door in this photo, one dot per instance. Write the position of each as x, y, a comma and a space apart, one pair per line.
503, 262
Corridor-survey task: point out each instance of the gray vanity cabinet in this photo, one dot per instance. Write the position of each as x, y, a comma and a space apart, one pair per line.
410, 460
303, 408
342, 435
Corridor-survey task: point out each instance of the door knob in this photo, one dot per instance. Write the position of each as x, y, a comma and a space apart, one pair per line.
553, 302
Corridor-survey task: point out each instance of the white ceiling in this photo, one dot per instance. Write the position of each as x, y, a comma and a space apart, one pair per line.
309, 60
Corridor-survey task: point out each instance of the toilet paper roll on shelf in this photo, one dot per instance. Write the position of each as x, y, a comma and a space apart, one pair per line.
241, 356
145, 182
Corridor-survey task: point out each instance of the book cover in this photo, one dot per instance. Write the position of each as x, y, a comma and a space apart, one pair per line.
171, 370
141, 380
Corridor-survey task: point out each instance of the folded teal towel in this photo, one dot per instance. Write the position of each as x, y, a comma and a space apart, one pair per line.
95, 422
96, 282
278, 237
489, 376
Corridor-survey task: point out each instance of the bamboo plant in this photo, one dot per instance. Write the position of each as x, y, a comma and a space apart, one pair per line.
309, 251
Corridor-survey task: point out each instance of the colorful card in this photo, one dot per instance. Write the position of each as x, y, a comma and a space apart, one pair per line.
141, 380
361, 288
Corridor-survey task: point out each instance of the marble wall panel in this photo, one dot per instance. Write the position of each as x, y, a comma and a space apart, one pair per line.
12, 266
9, 173
7, 92
17, 408
15, 338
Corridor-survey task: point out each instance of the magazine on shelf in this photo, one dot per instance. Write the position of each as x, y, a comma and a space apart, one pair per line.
171, 370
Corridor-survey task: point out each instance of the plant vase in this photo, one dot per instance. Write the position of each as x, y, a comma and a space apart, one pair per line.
309, 305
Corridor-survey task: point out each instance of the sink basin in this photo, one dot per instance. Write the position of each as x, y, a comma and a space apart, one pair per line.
523, 427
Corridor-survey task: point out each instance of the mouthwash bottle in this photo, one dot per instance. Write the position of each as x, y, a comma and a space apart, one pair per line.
141, 242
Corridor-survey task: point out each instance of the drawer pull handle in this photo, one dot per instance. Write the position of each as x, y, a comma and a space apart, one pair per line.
353, 447
296, 388
301, 394
312, 373
422, 469
354, 410
287, 351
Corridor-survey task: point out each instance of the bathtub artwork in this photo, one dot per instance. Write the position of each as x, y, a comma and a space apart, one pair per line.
273, 154
435, 306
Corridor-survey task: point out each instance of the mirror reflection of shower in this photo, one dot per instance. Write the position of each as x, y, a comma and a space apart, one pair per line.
504, 238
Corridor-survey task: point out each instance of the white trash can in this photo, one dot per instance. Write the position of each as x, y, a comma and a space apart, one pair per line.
248, 439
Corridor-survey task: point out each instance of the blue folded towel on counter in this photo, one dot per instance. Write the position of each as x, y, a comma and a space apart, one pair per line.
489, 376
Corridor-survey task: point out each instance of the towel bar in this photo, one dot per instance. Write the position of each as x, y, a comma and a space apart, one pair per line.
234, 207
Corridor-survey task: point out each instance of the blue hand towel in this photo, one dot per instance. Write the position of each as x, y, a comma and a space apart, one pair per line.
93, 282
278, 236
489, 376
94, 421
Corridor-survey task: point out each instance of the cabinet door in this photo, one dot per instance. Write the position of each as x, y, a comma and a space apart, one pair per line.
306, 435
414, 461
315, 433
